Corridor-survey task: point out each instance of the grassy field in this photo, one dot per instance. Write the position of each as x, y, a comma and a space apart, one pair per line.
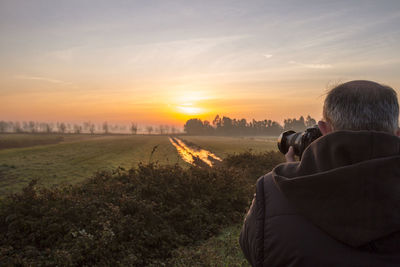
69, 159
78, 157
223, 146
29, 140
63, 159
220, 250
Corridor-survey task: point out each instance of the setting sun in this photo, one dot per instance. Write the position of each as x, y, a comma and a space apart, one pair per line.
188, 109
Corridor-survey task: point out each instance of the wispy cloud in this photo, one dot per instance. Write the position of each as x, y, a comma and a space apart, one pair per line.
43, 79
267, 56
311, 65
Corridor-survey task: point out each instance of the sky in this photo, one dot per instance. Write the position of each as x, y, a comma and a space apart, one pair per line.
154, 62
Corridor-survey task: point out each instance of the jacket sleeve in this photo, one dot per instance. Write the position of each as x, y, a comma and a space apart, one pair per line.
247, 239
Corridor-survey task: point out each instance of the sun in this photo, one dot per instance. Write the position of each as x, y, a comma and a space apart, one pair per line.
189, 109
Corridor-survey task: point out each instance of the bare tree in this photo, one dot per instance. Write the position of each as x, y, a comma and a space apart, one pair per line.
3, 126
42, 127
134, 128
166, 127
86, 126
77, 128
17, 127
105, 127
92, 128
25, 126
48, 127
32, 126
149, 129
161, 129
61, 127
10, 126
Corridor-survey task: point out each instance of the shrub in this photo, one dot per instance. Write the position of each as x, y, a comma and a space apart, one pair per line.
127, 217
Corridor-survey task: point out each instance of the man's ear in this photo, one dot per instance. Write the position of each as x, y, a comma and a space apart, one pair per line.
325, 127
398, 132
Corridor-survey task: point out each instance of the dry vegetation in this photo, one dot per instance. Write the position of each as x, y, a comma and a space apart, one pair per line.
152, 214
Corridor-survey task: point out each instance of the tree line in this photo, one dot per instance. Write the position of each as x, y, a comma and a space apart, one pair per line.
227, 126
85, 127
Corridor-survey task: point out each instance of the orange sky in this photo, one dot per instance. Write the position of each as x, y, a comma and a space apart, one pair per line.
173, 104
163, 62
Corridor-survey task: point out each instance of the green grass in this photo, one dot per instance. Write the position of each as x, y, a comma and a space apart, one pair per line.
221, 250
62, 159
223, 146
27, 140
77, 158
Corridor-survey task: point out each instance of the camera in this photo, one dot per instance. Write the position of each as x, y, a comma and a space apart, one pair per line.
299, 141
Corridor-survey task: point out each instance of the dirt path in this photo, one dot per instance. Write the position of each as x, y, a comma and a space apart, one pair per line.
192, 154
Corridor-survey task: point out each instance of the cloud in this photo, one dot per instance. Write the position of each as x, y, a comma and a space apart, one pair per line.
44, 79
63, 55
312, 65
267, 55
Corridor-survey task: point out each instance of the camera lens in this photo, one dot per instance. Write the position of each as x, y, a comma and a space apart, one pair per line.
299, 141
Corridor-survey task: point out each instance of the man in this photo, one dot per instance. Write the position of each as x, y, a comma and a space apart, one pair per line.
340, 205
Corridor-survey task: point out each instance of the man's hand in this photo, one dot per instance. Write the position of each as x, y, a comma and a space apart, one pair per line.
290, 155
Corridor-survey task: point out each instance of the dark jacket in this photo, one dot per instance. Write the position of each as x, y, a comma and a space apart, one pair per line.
338, 206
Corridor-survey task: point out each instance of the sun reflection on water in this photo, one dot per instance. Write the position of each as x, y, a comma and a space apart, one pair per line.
189, 154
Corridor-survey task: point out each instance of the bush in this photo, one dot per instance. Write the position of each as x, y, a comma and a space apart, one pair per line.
221, 250
254, 165
127, 217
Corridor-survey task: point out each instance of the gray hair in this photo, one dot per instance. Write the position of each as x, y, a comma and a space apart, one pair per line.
362, 105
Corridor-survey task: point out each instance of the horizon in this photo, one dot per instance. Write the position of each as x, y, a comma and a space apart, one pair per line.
24, 126
158, 63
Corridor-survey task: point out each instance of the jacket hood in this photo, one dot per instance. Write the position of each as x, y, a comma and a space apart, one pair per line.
347, 184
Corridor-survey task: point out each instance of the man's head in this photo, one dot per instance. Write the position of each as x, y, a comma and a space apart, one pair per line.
361, 105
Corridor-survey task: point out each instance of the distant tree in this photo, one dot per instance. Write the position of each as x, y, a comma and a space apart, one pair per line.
149, 129
194, 126
61, 127
105, 127
86, 126
48, 127
161, 129
17, 127
77, 128
173, 130
217, 122
167, 128
32, 126
134, 128
3, 126
228, 126
92, 128
41, 127
25, 126
297, 125
310, 121
10, 126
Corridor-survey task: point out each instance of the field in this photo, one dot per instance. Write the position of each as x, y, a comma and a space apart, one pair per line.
155, 205
68, 159
223, 146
